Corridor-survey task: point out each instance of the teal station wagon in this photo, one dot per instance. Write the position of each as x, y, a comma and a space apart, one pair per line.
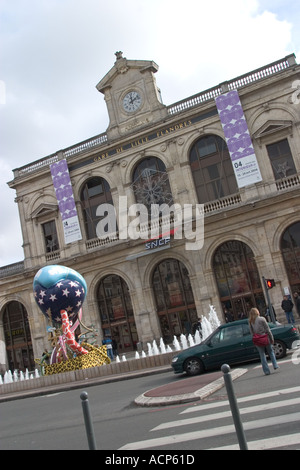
231, 343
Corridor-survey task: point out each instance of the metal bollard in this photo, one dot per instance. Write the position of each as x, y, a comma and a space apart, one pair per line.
234, 408
88, 421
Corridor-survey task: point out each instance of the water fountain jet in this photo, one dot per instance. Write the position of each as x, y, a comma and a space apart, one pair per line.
191, 340
183, 341
162, 346
176, 344
155, 348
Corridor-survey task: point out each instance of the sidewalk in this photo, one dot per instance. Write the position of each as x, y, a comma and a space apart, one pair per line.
185, 390
85, 383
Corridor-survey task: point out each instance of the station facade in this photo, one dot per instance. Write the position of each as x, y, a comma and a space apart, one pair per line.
158, 284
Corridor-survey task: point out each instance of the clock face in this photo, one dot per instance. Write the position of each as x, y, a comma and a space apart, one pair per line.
132, 101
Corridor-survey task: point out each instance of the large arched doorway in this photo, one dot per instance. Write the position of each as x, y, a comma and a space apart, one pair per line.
174, 299
238, 279
290, 248
17, 337
116, 312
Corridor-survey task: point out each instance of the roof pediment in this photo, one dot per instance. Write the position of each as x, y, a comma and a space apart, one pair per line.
44, 209
122, 66
271, 127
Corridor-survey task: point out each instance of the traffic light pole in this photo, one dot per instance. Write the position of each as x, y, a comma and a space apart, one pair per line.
270, 306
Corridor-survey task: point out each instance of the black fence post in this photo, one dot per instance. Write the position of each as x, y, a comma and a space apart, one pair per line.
234, 407
88, 421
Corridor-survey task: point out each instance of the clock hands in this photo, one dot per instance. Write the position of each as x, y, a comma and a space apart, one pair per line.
133, 98
132, 101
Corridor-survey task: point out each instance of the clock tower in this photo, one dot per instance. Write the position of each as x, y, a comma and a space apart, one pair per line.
132, 97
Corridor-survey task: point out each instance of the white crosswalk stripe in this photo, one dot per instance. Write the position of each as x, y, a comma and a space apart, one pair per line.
225, 414
266, 444
273, 394
210, 416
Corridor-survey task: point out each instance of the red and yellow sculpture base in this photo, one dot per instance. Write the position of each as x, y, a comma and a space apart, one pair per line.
96, 356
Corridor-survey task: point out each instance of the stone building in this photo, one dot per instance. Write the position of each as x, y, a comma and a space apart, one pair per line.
145, 287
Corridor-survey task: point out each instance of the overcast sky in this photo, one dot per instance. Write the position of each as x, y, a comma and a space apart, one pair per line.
54, 52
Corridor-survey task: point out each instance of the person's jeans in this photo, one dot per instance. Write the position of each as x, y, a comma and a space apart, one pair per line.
263, 358
290, 317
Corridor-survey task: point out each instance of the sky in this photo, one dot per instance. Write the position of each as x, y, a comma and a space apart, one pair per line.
54, 52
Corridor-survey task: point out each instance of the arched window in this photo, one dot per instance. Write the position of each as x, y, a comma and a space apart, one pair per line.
116, 312
290, 248
96, 191
151, 183
212, 169
238, 279
17, 337
174, 299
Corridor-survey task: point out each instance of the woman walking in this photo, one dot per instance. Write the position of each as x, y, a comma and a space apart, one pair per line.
259, 326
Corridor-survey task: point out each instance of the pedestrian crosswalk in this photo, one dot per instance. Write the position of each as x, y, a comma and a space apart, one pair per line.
270, 420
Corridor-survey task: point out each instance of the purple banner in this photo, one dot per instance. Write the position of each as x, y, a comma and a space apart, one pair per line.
65, 198
238, 139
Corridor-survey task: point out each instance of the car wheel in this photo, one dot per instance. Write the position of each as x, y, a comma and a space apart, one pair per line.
193, 366
279, 349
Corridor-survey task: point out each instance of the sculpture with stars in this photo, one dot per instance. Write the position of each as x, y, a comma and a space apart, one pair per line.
59, 292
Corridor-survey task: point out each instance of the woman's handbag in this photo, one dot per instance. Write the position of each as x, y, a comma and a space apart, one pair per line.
261, 340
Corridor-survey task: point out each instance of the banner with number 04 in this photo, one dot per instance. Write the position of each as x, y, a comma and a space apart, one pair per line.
238, 139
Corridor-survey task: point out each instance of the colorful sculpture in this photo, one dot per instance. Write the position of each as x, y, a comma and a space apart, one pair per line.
59, 292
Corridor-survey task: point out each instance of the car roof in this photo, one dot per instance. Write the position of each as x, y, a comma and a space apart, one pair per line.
236, 322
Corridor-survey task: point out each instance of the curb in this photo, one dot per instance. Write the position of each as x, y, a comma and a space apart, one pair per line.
71, 379
143, 400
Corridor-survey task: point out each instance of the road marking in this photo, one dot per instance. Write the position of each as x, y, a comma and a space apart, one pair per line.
263, 444
205, 433
226, 414
275, 393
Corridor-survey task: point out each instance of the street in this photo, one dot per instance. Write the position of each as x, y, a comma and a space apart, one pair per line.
269, 408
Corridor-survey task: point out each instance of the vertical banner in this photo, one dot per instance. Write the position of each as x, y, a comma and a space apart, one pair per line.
65, 198
238, 139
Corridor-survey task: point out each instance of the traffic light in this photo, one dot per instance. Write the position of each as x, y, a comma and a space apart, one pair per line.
270, 283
